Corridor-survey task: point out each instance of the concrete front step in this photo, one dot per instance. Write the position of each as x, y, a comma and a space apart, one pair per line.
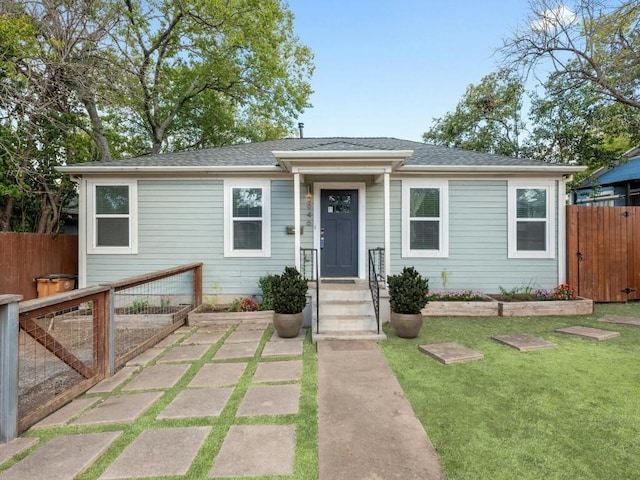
349, 335
346, 307
347, 322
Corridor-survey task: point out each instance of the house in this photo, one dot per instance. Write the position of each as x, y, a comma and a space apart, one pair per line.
618, 186
466, 220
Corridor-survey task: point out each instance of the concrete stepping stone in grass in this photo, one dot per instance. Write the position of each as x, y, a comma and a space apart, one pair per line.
588, 332
66, 456
524, 341
236, 350
158, 452
280, 348
66, 413
241, 336
108, 385
183, 353
256, 451
119, 409
252, 326
278, 371
197, 403
620, 319
301, 336
157, 376
450, 352
145, 357
218, 374
270, 400
203, 338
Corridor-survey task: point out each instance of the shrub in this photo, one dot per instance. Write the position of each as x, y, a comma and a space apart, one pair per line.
266, 286
408, 291
289, 291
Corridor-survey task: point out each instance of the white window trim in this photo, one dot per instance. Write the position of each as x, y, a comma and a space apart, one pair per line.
92, 225
229, 185
549, 186
443, 186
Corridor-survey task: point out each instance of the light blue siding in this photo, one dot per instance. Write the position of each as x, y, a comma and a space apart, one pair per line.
478, 243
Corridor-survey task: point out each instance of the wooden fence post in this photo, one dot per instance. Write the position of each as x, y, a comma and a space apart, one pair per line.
197, 286
9, 367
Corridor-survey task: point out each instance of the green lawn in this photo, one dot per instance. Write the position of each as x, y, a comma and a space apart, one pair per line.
570, 412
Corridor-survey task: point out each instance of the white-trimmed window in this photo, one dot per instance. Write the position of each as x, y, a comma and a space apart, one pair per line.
112, 217
247, 212
531, 219
425, 218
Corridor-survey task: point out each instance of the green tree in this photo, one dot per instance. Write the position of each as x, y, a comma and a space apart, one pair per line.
488, 118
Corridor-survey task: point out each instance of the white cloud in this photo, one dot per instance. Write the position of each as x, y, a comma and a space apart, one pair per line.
551, 19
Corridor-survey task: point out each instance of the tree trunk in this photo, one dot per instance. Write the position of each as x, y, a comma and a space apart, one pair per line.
98, 129
5, 217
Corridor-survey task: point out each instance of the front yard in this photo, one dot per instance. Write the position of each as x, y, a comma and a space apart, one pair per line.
561, 413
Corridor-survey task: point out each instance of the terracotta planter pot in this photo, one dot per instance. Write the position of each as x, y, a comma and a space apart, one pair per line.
406, 325
288, 325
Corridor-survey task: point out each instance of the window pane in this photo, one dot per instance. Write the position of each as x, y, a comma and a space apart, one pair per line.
340, 203
112, 199
425, 202
425, 235
531, 203
112, 232
247, 235
247, 203
532, 236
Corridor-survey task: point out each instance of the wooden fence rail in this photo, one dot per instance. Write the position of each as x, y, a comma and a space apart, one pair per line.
27, 256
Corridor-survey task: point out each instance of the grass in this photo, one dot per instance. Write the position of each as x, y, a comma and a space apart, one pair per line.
306, 453
563, 413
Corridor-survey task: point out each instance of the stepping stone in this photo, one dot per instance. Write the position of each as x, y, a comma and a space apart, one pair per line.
203, 338
301, 336
108, 385
282, 349
158, 452
252, 326
278, 371
236, 350
145, 357
157, 376
66, 456
242, 336
270, 400
524, 341
167, 341
197, 403
186, 353
119, 409
182, 330
218, 374
256, 451
590, 333
66, 413
449, 353
14, 447
620, 319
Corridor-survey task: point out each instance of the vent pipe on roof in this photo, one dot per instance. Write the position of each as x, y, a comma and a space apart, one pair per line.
301, 127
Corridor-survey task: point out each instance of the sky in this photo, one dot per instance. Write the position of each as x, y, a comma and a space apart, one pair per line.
386, 68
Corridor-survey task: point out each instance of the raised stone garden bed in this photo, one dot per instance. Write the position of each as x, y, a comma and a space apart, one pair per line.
204, 314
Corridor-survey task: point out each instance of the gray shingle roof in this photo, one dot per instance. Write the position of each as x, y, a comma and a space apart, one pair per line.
260, 154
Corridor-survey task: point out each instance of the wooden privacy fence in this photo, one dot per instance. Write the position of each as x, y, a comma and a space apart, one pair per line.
603, 255
26, 256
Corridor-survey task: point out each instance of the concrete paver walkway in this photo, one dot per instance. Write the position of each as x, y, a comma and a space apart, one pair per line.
367, 428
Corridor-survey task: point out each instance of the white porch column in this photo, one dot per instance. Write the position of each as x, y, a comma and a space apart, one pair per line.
296, 217
387, 224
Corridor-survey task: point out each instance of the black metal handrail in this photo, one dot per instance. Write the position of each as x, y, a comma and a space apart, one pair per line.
376, 275
309, 263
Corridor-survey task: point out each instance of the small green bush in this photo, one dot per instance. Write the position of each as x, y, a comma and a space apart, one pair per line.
289, 291
408, 291
266, 287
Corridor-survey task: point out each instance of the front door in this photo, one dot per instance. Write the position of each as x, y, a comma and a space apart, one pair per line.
339, 233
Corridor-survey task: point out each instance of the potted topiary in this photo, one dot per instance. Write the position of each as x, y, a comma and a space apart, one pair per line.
289, 292
407, 297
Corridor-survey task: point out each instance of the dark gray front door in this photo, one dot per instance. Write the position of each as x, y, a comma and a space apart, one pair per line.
339, 233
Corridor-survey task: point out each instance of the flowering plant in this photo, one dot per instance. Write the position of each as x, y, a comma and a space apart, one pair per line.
456, 296
565, 292
243, 305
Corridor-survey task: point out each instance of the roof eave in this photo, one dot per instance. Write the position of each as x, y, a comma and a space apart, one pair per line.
115, 170
568, 169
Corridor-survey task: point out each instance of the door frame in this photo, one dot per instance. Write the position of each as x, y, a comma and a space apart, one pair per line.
361, 187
